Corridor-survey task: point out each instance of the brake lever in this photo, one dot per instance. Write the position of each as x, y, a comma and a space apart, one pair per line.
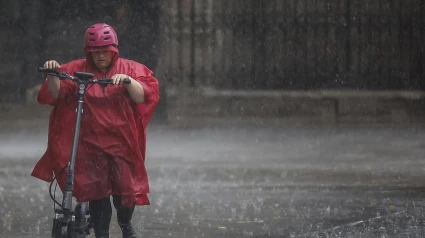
109, 81
60, 75
63, 75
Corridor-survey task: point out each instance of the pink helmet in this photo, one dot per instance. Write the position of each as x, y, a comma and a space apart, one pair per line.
100, 34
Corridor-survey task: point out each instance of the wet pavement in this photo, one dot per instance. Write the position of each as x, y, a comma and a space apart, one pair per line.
305, 181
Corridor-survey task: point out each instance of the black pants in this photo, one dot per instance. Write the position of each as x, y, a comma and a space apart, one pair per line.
101, 214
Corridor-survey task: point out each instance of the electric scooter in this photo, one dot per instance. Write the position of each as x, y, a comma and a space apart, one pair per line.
64, 223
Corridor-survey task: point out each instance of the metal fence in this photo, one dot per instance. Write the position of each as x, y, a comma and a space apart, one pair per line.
256, 44
294, 44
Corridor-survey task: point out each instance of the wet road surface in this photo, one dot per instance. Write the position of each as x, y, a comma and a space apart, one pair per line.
346, 181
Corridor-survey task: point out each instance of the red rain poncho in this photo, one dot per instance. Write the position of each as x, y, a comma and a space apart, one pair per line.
111, 151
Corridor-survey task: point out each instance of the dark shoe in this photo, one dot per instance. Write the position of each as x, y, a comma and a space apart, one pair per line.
124, 215
127, 231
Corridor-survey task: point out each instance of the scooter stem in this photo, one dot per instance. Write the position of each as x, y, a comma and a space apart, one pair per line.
69, 185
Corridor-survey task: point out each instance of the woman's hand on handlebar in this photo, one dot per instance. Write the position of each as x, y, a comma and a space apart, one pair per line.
53, 83
119, 78
51, 64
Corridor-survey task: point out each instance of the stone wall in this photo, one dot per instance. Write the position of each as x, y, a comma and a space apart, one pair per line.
280, 107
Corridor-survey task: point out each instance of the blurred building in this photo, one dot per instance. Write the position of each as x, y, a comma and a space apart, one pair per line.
222, 44
296, 44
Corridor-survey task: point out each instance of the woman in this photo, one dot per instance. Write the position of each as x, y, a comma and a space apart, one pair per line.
111, 151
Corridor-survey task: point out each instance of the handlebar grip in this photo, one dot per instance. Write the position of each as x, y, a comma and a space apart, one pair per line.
44, 70
127, 81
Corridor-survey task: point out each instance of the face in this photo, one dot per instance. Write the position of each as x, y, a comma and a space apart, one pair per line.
102, 58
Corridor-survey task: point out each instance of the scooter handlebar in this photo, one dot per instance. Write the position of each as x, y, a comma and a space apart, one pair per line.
63, 75
44, 70
109, 81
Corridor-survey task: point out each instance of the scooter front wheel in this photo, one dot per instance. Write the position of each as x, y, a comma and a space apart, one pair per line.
61, 231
